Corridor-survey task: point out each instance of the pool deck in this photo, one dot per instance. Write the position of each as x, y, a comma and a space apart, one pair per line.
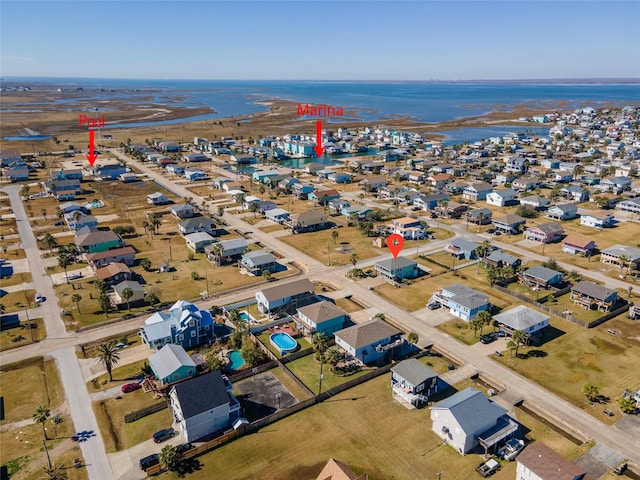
284, 328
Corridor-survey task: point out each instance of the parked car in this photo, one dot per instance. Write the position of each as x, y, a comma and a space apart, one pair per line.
39, 298
434, 306
491, 230
620, 469
163, 435
488, 338
488, 468
75, 276
131, 387
183, 447
149, 461
511, 449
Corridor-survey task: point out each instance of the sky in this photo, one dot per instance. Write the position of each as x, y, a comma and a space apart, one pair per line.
327, 40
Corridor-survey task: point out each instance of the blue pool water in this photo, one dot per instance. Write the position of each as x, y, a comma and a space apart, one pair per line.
283, 342
24, 138
244, 316
235, 360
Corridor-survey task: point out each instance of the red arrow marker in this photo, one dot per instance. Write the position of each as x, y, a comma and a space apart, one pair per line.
319, 148
395, 242
91, 156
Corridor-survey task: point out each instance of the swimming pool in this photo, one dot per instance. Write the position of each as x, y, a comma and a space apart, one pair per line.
245, 317
283, 342
236, 362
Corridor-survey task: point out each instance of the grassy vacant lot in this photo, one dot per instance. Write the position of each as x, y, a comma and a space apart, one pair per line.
348, 305
572, 356
19, 336
362, 427
24, 297
275, 227
118, 435
460, 330
438, 363
16, 279
307, 369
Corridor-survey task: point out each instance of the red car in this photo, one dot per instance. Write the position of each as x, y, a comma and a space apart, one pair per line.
130, 387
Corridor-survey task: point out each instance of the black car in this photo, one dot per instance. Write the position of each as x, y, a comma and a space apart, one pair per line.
488, 338
149, 461
491, 230
183, 447
434, 306
163, 435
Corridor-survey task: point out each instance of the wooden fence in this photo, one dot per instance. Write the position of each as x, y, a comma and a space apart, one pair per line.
143, 412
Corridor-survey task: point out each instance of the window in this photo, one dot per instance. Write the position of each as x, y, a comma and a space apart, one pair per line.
180, 337
191, 323
193, 333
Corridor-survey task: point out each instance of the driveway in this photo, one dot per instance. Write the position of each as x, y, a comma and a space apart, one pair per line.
126, 463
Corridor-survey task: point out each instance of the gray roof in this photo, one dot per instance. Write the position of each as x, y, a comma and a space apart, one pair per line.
169, 359
541, 273
566, 207
619, 250
180, 208
392, 265
96, 237
288, 289
202, 393
521, 317
321, 311
197, 222
467, 297
463, 244
234, 243
132, 284
478, 211
510, 219
550, 228
198, 237
471, 409
507, 192
258, 257
535, 199
413, 371
592, 290
367, 333
500, 256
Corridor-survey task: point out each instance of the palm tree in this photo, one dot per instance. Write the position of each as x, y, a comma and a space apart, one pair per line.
169, 457
511, 345
188, 200
482, 250
105, 303
76, 297
254, 207
108, 356
333, 356
319, 342
353, 258
484, 318
41, 415
220, 211
591, 391
100, 285
519, 337
262, 190
413, 338
25, 191
217, 251
335, 236
64, 260
127, 293
623, 260
54, 472
266, 274
154, 223
145, 225
146, 264
475, 324
50, 241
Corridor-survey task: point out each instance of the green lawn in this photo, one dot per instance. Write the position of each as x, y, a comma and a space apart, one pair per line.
572, 356
121, 375
460, 330
362, 427
307, 369
348, 305
264, 338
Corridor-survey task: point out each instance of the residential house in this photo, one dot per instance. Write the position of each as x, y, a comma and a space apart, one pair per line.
7, 157
452, 209
591, 296
372, 341
197, 241
616, 185
320, 317
114, 273
477, 191
502, 198
462, 301
323, 197
63, 189
124, 255
98, 241
455, 188
409, 228
18, 173
574, 244
461, 248
430, 202
157, 198
597, 219
567, 211
575, 193
398, 269
357, 212
479, 216
175, 169
562, 176
373, 183
335, 470
536, 201
309, 221
183, 211
510, 224
280, 297
108, 171
302, 190
118, 299
539, 462
336, 205
499, 259
228, 250
76, 221
340, 177
69, 207
184, 324
195, 157
516, 165
172, 364
198, 414
438, 180
525, 184
522, 318
631, 205
194, 174
277, 215
541, 277
128, 177
258, 261
545, 233
468, 419
413, 381
197, 224
613, 254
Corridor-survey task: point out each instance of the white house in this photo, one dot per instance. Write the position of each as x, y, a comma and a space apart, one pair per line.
198, 240
468, 419
157, 198
279, 297
203, 405
522, 318
501, 198
597, 219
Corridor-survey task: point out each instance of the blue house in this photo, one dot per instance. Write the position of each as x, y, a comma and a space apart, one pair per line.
462, 248
109, 171
477, 191
463, 302
429, 202
397, 270
370, 341
320, 317
172, 364
339, 177
183, 325
262, 175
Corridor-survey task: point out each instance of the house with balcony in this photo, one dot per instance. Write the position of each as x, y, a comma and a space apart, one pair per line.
499, 259
525, 184
536, 201
409, 228
183, 211
502, 198
320, 317
197, 224
522, 318
479, 216
612, 255
196, 242
511, 224
591, 296
413, 382
631, 205
198, 414
395, 271
114, 273
357, 212
336, 205
118, 298
477, 191
373, 341
468, 419
76, 221
157, 198
258, 261
184, 324
516, 165
576, 245
124, 255
430, 202
94, 241
451, 209
462, 301
597, 219
539, 462
309, 221
575, 193
540, 277
567, 211
615, 185
277, 215
227, 250
461, 248
172, 364
282, 297
545, 233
